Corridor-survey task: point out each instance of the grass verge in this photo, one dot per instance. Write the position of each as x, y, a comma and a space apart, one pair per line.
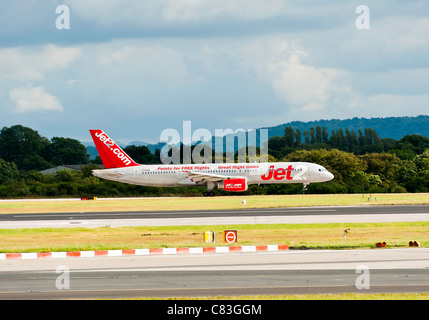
297, 236
211, 203
342, 296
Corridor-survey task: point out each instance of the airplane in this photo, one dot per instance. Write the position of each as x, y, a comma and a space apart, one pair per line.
233, 177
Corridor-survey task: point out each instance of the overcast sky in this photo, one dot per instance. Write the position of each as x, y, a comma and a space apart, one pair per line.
135, 68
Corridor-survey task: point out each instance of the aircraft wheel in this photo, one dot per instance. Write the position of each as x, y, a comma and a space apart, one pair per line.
211, 194
205, 194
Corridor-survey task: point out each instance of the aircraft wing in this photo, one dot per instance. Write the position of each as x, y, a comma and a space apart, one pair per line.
200, 177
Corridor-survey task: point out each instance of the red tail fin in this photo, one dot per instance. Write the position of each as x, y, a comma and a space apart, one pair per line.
110, 153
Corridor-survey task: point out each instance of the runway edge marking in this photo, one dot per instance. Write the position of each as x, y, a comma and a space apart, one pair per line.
142, 252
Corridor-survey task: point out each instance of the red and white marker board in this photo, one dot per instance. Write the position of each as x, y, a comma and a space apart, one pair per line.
230, 236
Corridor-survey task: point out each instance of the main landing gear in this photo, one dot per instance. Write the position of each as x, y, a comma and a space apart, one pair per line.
209, 192
304, 187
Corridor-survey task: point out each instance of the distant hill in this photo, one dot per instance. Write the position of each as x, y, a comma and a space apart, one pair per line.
392, 127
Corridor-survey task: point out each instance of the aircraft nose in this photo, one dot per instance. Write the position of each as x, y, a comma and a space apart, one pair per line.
329, 176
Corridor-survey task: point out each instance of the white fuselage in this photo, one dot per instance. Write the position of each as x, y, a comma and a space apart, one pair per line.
182, 174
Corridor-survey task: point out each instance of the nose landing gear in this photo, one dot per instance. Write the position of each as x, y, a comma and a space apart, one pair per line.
304, 187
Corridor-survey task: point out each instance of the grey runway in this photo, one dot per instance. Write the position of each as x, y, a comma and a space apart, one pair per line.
293, 272
371, 213
210, 283
289, 211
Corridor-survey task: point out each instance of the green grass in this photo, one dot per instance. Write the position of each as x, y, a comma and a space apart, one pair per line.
212, 203
297, 236
342, 296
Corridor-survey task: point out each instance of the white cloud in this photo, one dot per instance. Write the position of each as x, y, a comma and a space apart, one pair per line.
300, 85
130, 13
142, 62
393, 43
194, 10
25, 64
33, 99
219, 63
303, 87
381, 105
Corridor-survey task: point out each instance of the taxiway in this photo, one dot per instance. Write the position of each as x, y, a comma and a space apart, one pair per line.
292, 272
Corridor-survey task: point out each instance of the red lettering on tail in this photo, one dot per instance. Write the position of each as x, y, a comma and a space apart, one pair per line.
110, 153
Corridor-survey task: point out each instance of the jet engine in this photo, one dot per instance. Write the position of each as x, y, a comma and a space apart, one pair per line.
234, 185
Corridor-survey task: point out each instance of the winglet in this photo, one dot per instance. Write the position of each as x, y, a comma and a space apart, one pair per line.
110, 153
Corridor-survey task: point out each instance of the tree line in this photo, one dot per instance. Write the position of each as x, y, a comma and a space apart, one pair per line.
28, 150
361, 142
360, 161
